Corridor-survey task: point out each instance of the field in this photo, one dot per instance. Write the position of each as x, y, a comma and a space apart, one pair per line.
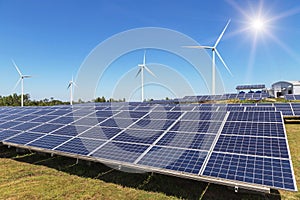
38, 176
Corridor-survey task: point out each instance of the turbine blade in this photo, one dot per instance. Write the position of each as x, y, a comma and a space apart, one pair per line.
138, 72
16, 67
150, 71
17, 84
198, 47
75, 84
27, 76
218, 40
144, 61
223, 62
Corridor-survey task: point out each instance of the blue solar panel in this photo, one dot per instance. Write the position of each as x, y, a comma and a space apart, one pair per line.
9, 124
197, 126
213, 116
138, 136
4, 134
47, 128
187, 140
49, 141
189, 161
70, 130
25, 126
120, 151
101, 132
80, 146
254, 129
155, 140
272, 172
260, 146
24, 138
255, 116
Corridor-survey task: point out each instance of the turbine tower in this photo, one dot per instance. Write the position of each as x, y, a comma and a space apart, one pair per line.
214, 51
70, 86
22, 77
141, 71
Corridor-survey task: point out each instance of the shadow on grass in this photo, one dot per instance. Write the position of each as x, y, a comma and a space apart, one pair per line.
171, 186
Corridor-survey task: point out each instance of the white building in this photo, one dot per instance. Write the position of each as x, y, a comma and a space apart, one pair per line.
281, 88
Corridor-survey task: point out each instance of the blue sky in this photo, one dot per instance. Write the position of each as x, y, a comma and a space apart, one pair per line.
50, 39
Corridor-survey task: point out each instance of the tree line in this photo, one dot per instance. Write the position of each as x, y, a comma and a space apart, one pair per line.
15, 100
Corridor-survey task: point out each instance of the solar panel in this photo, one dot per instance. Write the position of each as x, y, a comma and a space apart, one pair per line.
220, 143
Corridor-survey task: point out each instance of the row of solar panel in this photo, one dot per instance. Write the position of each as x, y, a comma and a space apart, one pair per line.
179, 141
292, 97
251, 87
287, 109
241, 96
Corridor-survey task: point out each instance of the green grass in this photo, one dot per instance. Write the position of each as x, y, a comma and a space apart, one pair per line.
39, 176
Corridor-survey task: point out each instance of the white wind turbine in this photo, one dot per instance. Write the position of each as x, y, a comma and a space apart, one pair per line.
22, 82
70, 86
141, 71
214, 51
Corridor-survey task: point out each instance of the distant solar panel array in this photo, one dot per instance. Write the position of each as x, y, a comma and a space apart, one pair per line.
292, 97
236, 145
241, 96
251, 87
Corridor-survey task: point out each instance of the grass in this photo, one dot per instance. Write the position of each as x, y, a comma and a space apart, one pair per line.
39, 176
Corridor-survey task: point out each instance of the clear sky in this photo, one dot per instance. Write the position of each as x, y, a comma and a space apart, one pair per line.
50, 39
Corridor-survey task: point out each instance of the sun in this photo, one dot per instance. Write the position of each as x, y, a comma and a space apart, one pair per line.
258, 24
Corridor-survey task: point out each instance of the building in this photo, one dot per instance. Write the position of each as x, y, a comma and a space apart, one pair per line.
281, 88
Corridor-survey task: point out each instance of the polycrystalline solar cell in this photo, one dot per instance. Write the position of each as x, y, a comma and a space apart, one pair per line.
63, 120
164, 115
46, 118
205, 108
9, 124
105, 113
27, 111
3, 116
49, 141
143, 108
183, 108
98, 132
230, 108
260, 108
264, 105
61, 112
197, 126
138, 136
70, 130
152, 124
163, 108
211, 116
255, 116
43, 112
80, 146
4, 134
130, 114
297, 97
261, 146
117, 122
25, 126
287, 111
11, 117
89, 121
272, 172
24, 138
47, 128
120, 151
254, 129
81, 112
179, 160
187, 140
27, 118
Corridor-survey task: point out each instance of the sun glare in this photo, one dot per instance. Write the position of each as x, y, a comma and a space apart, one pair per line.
257, 24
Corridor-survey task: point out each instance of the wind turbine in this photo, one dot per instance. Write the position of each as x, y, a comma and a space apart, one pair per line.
141, 71
214, 51
70, 86
22, 82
